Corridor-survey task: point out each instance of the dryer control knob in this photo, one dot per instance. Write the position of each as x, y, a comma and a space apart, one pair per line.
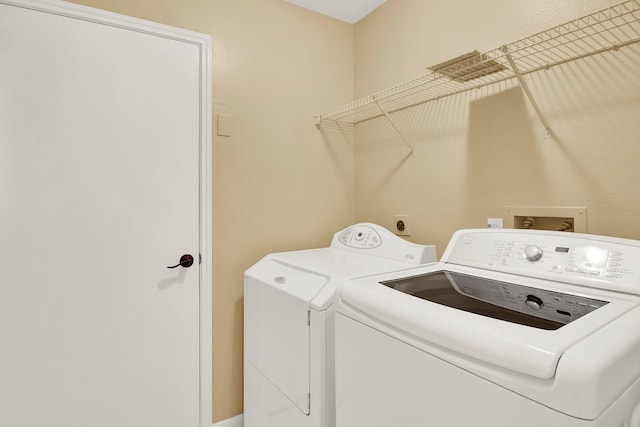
533, 253
534, 302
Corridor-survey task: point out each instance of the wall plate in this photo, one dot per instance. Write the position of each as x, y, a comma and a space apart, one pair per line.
546, 217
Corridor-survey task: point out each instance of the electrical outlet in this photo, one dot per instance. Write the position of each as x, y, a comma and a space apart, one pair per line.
401, 225
495, 223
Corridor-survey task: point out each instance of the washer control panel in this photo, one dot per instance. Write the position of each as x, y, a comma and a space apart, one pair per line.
596, 261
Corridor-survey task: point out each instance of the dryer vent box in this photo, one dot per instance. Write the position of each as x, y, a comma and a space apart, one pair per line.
546, 218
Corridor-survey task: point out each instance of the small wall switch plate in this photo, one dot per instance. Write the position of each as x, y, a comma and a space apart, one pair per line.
224, 125
401, 225
495, 223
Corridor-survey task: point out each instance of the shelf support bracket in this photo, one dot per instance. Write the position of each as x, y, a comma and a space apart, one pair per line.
526, 90
393, 124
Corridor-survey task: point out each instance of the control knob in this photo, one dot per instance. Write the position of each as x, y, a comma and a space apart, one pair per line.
533, 253
534, 302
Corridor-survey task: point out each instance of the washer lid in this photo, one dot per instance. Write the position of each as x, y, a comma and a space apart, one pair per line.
524, 305
504, 344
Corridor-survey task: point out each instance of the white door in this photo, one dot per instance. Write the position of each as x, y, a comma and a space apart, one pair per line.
102, 121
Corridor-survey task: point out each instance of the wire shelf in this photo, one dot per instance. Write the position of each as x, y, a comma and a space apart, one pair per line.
592, 34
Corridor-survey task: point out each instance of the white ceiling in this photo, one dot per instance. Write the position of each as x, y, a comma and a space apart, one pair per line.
350, 11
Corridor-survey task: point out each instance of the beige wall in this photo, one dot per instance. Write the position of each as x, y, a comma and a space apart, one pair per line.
486, 149
277, 184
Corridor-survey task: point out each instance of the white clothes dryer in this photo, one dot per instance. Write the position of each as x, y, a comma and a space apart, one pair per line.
288, 322
511, 328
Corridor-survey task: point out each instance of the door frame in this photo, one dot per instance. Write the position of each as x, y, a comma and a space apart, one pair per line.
203, 42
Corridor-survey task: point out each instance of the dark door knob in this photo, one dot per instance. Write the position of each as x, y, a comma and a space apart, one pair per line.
185, 261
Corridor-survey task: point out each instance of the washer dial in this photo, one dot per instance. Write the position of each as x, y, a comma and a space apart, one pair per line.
533, 253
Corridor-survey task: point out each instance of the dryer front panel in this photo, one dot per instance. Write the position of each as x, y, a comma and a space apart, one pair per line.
277, 330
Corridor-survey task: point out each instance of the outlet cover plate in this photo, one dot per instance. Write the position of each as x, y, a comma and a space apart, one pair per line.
495, 223
407, 229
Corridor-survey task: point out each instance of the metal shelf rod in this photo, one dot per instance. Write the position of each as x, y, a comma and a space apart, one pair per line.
435, 98
525, 88
395, 127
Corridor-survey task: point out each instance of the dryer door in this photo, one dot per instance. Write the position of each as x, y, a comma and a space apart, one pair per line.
277, 331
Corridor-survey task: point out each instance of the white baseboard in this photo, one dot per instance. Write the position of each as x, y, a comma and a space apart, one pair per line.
236, 421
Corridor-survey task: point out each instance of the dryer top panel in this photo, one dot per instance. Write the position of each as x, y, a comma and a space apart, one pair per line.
357, 251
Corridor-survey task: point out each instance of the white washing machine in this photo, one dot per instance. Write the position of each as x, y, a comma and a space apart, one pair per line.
511, 328
288, 322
